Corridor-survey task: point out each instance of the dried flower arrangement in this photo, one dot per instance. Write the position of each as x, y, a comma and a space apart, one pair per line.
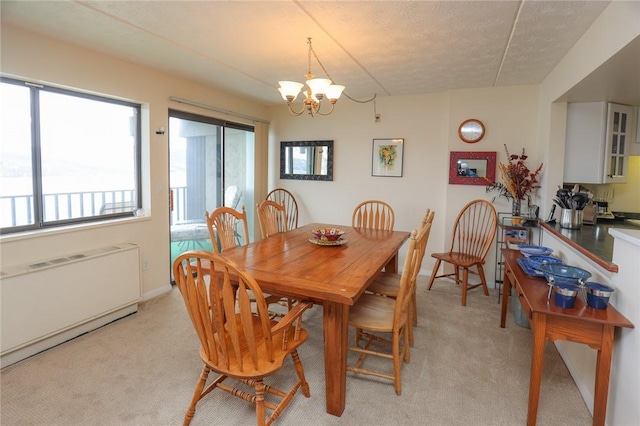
518, 181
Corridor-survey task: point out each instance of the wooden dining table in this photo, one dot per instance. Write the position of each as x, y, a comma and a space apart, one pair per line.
290, 265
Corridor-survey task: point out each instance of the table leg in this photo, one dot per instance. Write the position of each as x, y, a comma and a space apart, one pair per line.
603, 370
336, 324
392, 266
539, 328
506, 290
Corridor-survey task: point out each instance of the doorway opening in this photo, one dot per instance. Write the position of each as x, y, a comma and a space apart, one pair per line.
211, 164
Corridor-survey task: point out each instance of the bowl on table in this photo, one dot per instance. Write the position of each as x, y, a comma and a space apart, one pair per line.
598, 295
564, 274
536, 261
565, 294
533, 250
328, 234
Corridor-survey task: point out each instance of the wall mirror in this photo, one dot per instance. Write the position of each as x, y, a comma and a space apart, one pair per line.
306, 160
472, 168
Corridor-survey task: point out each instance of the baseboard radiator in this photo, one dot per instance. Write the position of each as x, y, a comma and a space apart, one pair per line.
50, 301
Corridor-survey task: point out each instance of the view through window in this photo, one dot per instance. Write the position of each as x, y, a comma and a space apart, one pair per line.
65, 157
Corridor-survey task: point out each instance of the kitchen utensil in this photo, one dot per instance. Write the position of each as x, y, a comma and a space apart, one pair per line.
551, 213
571, 218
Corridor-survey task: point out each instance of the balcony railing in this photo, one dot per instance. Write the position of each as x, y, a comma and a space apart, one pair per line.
17, 210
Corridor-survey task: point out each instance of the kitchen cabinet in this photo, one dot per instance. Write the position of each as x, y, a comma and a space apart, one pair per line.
635, 147
598, 140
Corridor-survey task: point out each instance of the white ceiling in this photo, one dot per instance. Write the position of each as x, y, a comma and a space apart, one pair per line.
371, 47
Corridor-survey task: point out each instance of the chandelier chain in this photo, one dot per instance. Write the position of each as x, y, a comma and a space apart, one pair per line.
311, 50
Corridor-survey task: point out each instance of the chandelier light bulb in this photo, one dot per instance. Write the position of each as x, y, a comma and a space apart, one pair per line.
317, 90
319, 86
333, 92
289, 90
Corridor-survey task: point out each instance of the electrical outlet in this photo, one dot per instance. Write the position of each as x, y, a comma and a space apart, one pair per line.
145, 265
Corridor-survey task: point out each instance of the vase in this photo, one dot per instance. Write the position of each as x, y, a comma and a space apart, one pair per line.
515, 207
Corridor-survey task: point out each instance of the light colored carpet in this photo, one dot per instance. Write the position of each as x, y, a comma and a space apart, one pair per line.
141, 370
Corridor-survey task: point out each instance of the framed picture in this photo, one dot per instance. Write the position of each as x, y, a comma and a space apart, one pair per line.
387, 157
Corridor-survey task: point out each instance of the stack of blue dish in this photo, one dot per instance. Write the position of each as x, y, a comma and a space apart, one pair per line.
534, 256
536, 261
531, 250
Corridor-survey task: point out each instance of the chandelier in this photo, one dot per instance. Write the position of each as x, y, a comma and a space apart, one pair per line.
317, 90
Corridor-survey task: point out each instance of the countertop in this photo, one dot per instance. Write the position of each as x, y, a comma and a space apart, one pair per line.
594, 241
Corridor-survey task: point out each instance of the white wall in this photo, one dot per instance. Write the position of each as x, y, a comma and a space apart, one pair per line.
614, 29
29, 56
429, 126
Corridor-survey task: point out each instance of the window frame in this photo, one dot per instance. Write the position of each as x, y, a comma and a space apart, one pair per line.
38, 208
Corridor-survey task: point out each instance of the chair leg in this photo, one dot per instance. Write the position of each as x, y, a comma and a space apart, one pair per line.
465, 279
197, 394
300, 370
414, 308
483, 280
397, 362
260, 411
413, 315
434, 273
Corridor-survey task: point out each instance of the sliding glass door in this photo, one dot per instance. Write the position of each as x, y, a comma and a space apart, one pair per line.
211, 164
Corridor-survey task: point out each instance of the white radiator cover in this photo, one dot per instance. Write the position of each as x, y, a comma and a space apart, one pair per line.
47, 302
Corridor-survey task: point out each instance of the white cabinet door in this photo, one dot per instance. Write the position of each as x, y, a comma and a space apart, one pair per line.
598, 141
584, 149
618, 138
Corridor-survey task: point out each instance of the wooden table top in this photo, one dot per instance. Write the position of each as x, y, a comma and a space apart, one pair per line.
536, 291
288, 264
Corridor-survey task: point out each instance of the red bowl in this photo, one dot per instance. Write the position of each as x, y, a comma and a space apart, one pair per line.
328, 234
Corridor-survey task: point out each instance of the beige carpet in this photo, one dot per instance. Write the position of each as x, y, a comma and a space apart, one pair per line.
141, 370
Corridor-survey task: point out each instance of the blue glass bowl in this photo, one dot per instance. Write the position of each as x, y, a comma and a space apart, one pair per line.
536, 261
598, 295
531, 250
564, 274
565, 294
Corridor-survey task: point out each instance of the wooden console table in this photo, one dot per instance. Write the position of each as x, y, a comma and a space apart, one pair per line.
582, 324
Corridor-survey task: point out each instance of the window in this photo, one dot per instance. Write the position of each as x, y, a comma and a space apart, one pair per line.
66, 157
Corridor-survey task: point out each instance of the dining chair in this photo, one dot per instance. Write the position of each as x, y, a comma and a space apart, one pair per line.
223, 225
282, 196
373, 214
386, 321
238, 341
473, 234
272, 217
388, 284
223, 229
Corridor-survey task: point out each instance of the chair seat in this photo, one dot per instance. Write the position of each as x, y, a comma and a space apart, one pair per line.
386, 284
372, 312
265, 368
461, 259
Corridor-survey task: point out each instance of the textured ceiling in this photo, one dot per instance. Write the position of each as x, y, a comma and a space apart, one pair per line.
371, 47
